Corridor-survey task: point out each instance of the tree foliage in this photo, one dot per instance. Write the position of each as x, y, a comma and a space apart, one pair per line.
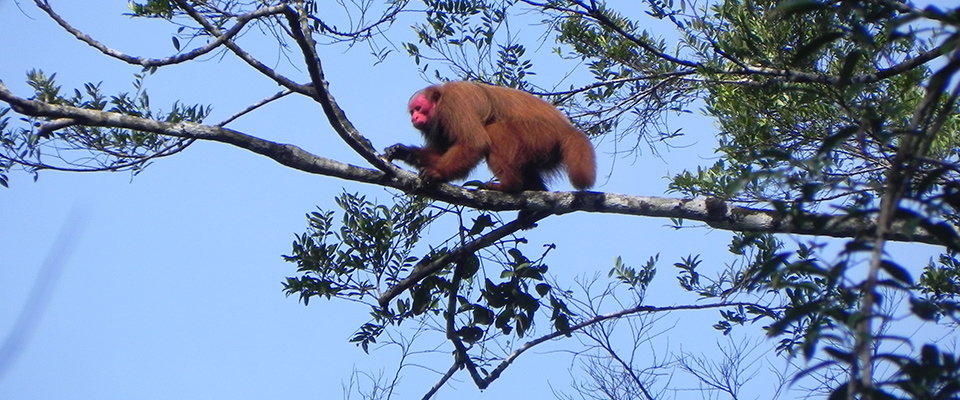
834, 118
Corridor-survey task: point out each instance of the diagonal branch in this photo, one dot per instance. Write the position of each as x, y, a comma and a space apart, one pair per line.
319, 91
917, 142
302, 34
428, 267
443, 380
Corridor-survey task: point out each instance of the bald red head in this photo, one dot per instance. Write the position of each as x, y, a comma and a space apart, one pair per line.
421, 111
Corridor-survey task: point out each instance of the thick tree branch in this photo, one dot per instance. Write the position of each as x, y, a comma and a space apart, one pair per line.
286, 154
714, 212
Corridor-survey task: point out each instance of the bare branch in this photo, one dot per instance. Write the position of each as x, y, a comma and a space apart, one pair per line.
243, 55
365, 31
443, 380
595, 320
594, 12
255, 106
219, 40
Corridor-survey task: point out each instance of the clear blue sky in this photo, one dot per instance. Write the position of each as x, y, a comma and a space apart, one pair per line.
170, 280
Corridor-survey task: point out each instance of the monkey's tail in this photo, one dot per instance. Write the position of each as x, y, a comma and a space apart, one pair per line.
580, 160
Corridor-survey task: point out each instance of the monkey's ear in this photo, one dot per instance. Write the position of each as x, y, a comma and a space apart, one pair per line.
435, 96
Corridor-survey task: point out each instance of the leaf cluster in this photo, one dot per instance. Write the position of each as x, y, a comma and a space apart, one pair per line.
86, 147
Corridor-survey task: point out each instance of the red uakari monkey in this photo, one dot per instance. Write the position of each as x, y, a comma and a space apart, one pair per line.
524, 139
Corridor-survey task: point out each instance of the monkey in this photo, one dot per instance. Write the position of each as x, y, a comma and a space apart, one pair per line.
524, 139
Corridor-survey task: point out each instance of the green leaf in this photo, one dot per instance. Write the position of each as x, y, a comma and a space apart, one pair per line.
479, 224
924, 309
796, 7
841, 355
897, 272
562, 324
850, 63
421, 299
468, 266
812, 47
543, 289
470, 334
831, 142
482, 315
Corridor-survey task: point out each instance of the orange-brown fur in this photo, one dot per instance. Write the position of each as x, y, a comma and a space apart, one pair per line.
524, 139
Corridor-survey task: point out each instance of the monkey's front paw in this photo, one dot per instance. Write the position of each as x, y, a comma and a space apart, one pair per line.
397, 152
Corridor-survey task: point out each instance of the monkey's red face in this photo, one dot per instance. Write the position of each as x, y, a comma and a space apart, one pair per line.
421, 112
